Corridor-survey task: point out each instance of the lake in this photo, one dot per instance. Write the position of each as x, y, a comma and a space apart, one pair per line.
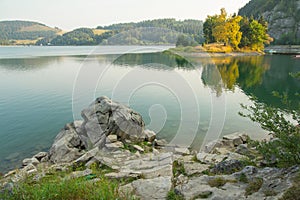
187, 100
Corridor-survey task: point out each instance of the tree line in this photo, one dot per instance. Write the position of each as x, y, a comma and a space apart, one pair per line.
236, 31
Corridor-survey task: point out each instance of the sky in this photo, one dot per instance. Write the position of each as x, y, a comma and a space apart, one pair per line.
71, 14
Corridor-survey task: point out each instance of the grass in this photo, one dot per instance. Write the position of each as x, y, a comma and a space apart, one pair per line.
243, 178
173, 196
178, 168
217, 182
217, 48
99, 31
293, 193
253, 186
59, 186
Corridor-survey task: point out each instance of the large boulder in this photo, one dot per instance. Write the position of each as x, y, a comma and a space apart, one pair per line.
67, 145
106, 125
105, 117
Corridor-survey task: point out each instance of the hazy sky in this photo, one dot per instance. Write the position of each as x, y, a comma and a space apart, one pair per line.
70, 14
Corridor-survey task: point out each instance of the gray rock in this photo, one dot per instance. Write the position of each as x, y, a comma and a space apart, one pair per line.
114, 146
161, 142
28, 161
67, 146
149, 189
105, 117
139, 148
40, 155
78, 174
112, 138
210, 158
182, 150
192, 168
150, 135
227, 167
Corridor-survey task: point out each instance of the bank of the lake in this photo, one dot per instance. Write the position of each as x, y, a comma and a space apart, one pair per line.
38, 97
115, 163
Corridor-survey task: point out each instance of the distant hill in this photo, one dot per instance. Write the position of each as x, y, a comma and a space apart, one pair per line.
283, 17
11, 31
192, 28
150, 32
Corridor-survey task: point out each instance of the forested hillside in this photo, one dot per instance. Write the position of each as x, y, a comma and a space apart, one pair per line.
283, 17
150, 32
24, 30
192, 28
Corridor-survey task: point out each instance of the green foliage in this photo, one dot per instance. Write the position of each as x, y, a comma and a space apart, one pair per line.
253, 186
192, 28
81, 36
243, 178
185, 41
255, 8
178, 168
236, 31
285, 144
60, 188
217, 182
172, 195
293, 193
24, 30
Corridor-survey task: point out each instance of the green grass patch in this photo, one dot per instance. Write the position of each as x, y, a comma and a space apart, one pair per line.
217, 182
253, 186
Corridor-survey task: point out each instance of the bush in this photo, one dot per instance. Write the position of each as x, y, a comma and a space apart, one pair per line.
283, 149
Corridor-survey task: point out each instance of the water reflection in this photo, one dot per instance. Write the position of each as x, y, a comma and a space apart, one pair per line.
256, 75
167, 60
28, 64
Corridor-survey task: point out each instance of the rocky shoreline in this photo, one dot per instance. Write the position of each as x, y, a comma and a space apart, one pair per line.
114, 136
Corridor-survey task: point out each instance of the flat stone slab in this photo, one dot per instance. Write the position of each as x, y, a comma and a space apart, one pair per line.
149, 189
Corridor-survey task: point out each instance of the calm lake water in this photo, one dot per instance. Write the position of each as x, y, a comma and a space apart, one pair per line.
186, 100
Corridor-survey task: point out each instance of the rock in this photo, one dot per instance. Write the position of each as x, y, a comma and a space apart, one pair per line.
114, 146
105, 117
150, 135
182, 150
210, 158
28, 161
227, 167
242, 149
150, 166
236, 138
67, 146
87, 156
122, 175
40, 155
149, 189
161, 142
137, 147
112, 138
78, 174
209, 147
195, 168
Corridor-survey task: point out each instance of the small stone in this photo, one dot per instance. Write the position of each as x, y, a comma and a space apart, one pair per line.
182, 150
242, 149
161, 142
137, 147
40, 155
150, 135
112, 138
114, 146
78, 174
28, 161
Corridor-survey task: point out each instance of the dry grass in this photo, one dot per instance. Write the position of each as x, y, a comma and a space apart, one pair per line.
217, 48
99, 31
36, 27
